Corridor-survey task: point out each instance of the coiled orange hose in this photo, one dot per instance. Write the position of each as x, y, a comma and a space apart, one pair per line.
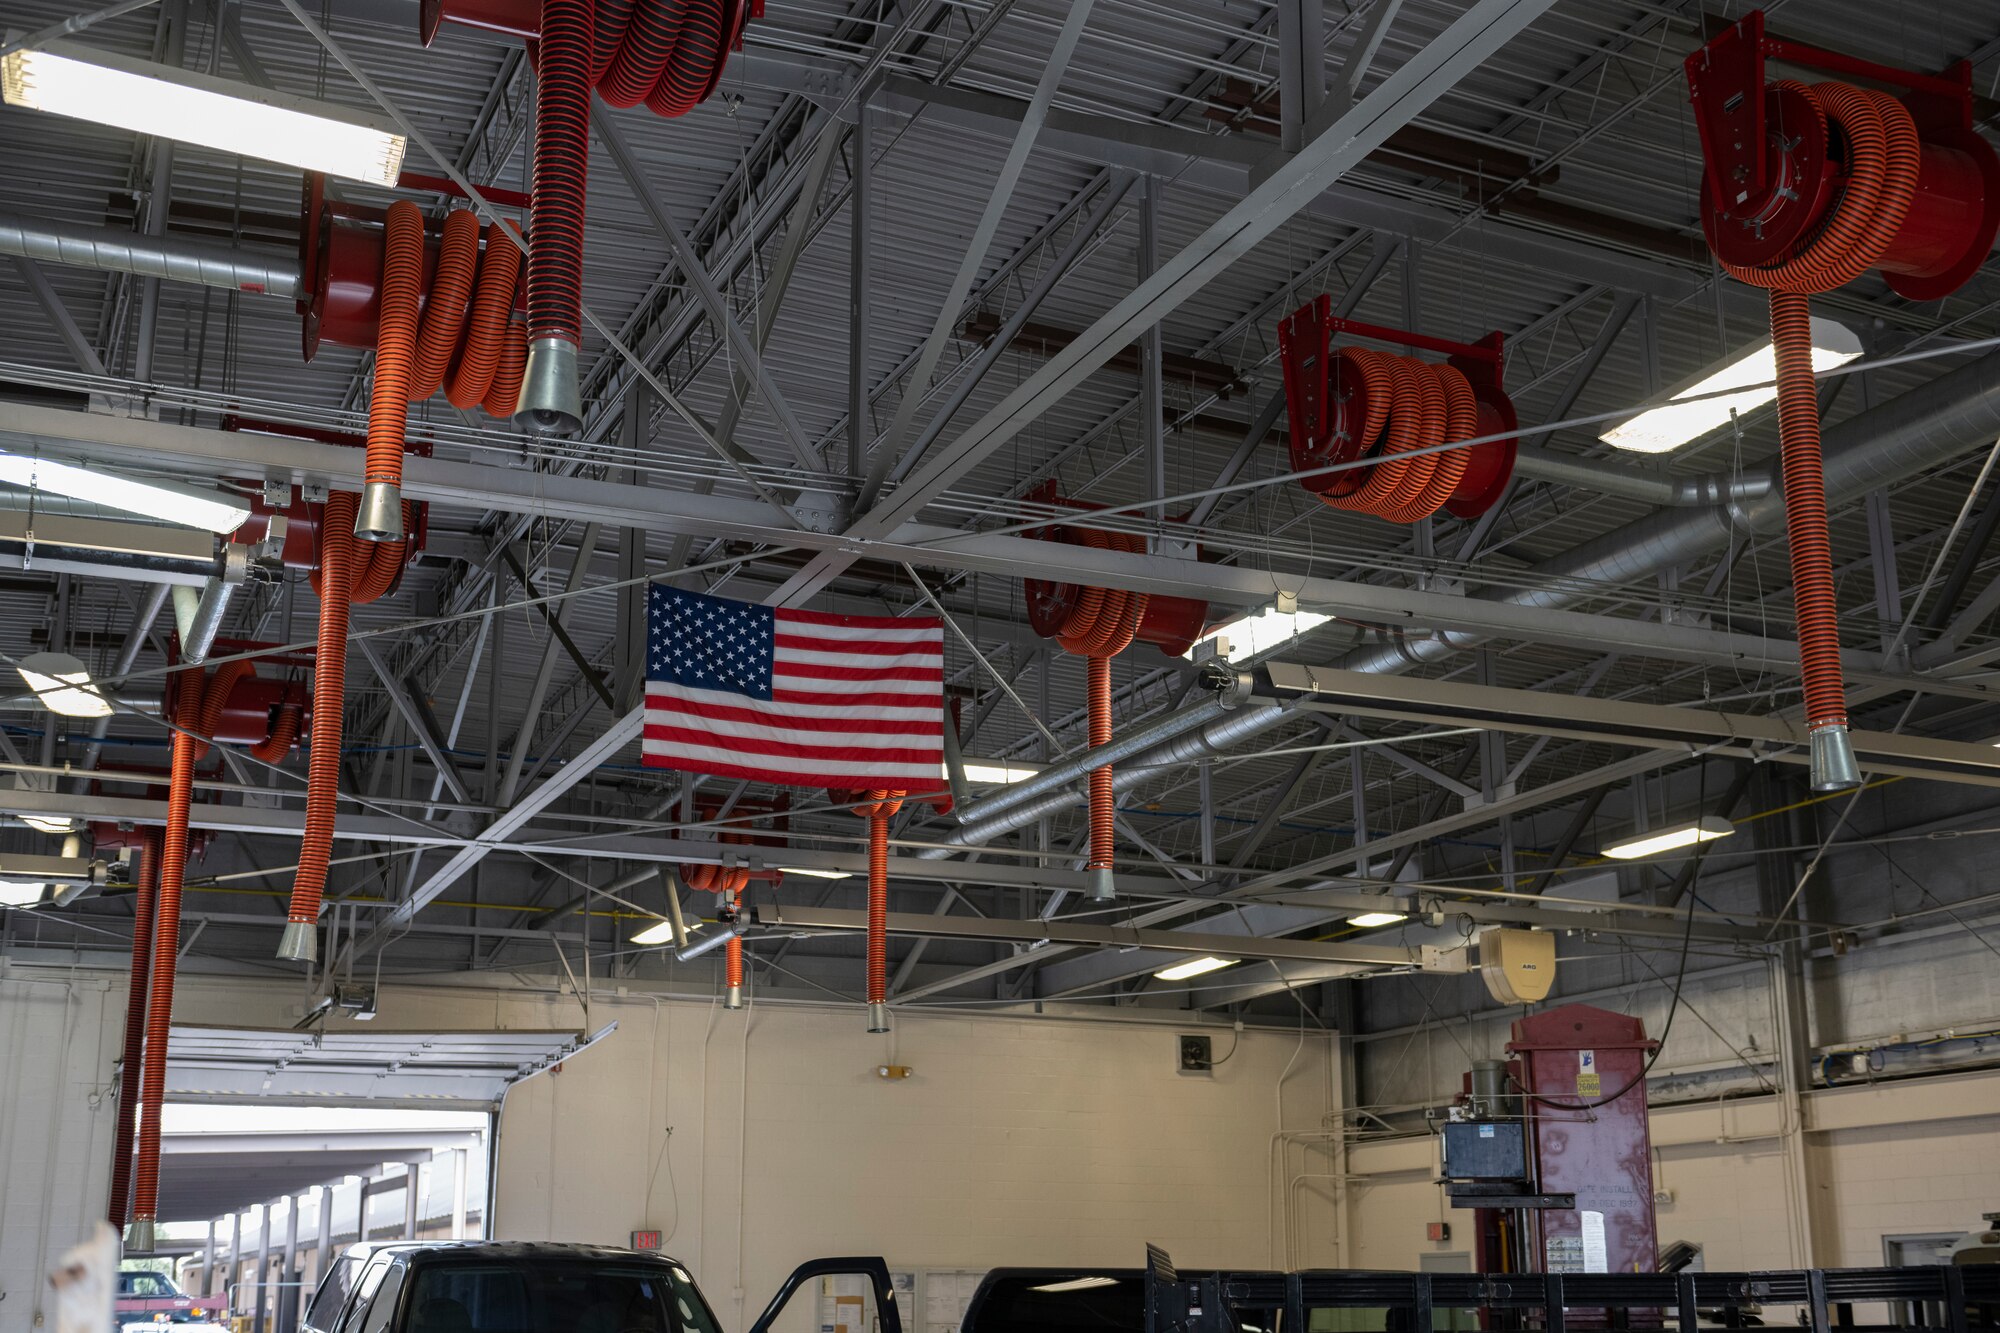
732, 880
444, 306
1411, 405
284, 734
146, 890
1883, 158
877, 805
495, 354
1099, 627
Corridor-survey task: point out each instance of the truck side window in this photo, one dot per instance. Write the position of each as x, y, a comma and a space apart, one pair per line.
371, 1278
383, 1308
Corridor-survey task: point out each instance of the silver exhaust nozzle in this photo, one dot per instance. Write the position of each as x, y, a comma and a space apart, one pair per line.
550, 401
732, 998
139, 1236
380, 518
878, 1018
300, 943
1098, 881
1833, 767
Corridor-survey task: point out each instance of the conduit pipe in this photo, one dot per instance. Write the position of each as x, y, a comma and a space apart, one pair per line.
1872, 449
732, 934
171, 259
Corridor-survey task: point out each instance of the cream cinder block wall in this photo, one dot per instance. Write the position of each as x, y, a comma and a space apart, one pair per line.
759, 1139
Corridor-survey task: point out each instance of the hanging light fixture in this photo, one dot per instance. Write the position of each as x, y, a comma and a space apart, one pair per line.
163, 500
62, 684
1705, 829
65, 79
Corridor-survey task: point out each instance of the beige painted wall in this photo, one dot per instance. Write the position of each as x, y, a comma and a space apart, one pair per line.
1018, 1141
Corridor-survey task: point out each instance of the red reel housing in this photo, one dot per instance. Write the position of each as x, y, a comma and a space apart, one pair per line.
1171, 624
1332, 417
340, 263
523, 18
251, 711
1775, 169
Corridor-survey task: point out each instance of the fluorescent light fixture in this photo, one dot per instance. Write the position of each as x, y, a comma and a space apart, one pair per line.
163, 500
1077, 1284
999, 770
50, 823
146, 98
662, 932
1261, 631
1665, 428
1706, 829
62, 685
1193, 967
817, 874
1368, 920
21, 892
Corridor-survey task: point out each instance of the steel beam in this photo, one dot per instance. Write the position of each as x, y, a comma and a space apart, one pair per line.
420, 723
1484, 28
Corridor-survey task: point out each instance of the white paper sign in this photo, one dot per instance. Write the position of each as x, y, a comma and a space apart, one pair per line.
1594, 1260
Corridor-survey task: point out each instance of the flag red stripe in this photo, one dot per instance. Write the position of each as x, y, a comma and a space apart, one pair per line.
865, 723
857, 647
666, 734
822, 699
914, 781
814, 671
788, 615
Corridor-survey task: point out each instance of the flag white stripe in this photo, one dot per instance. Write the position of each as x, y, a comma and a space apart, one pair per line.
722, 726
860, 634
782, 679
864, 772
816, 657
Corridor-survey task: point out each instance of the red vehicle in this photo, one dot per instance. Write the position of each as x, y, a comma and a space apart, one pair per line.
145, 1296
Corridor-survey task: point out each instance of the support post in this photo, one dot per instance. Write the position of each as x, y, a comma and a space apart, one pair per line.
859, 279
412, 1197
260, 1320
323, 1252
288, 1283
458, 1172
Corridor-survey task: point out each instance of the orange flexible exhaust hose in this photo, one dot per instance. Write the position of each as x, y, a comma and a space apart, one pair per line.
198, 703
1098, 628
877, 805
492, 341
444, 306
1412, 405
1884, 154
147, 889
339, 556
380, 517
284, 734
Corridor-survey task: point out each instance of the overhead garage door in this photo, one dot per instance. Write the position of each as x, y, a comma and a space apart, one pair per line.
437, 1070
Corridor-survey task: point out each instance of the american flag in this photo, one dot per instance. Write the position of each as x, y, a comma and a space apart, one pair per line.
793, 697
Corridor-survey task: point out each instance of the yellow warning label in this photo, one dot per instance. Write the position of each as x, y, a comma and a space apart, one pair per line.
1588, 1084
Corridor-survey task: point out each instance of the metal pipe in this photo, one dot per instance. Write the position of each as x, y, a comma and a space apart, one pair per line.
198, 616
1651, 488
1875, 448
1186, 748
172, 258
709, 943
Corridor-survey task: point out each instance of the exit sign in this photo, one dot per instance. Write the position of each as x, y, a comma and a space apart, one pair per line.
645, 1240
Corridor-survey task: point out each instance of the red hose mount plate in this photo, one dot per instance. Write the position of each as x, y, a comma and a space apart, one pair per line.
1332, 417
1774, 168
1171, 624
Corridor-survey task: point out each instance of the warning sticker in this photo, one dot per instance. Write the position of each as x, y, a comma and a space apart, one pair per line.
1587, 1082
1565, 1254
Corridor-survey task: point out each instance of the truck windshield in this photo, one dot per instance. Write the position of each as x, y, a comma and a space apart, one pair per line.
542, 1297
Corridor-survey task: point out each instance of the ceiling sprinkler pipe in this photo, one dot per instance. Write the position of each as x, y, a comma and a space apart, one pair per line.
174, 260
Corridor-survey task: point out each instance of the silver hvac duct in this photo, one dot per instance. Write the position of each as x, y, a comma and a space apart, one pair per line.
175, 260
1192, 744
1874, 448
1646, 487
198, 615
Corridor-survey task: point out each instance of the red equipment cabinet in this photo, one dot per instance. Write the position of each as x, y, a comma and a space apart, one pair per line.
1565, 1063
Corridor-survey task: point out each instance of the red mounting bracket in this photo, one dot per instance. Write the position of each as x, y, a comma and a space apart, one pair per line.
1726, 84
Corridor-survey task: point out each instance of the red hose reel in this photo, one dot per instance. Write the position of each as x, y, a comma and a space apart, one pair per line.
1354, 403
1778, 164
1171, 624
